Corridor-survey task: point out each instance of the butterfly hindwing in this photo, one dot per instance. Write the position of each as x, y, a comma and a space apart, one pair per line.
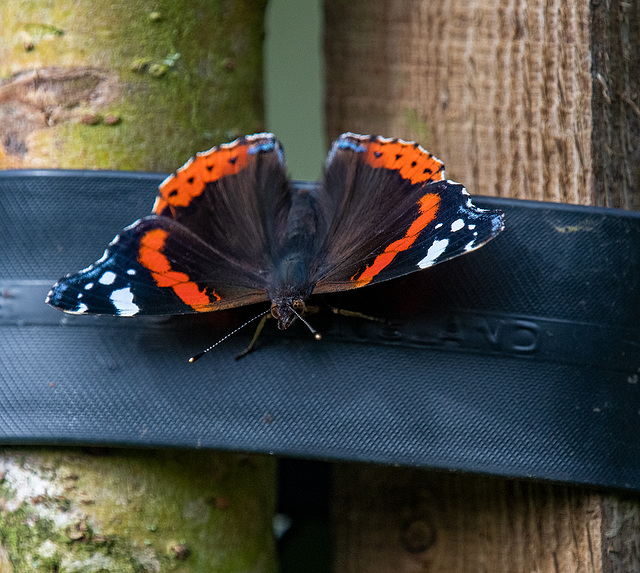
156, 266
394, 213
209, 245
235, 197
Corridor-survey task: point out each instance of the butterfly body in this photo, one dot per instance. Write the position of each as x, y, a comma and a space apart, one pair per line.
292, 287
230, 229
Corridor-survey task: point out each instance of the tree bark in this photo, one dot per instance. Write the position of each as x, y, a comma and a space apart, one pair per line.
141, 85
615, 103
533, 100
126, 85
135, 510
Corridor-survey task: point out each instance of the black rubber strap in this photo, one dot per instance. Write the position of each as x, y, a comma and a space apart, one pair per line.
520, 359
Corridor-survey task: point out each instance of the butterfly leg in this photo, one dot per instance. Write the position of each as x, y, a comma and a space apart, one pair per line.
355, 314
256, 334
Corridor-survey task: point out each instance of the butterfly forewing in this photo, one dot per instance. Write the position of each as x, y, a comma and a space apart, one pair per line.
157, 266
210, 246
397, 215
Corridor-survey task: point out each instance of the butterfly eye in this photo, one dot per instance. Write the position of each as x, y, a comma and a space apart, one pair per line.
298, 305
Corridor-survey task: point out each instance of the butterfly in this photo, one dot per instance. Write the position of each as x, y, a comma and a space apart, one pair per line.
229, 228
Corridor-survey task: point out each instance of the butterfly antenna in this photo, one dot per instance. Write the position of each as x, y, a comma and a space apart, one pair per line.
315, 333
201, 354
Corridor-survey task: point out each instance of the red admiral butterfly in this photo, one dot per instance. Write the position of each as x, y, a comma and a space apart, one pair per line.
228, 229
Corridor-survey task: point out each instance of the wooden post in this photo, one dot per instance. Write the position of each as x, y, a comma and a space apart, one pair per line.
533, 100
130, 84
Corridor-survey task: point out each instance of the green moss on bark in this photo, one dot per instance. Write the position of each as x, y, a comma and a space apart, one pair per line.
210, 54
132, 510
142, 85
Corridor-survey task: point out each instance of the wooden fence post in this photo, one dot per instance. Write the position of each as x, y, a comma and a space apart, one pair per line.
526, 99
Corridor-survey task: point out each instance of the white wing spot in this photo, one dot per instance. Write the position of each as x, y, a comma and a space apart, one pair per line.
81, 308
80, 295
101, 260
438, 226
435, 250
88, 286
470, 246
107, 278
122, 299
457, 225
471, 226
131, 272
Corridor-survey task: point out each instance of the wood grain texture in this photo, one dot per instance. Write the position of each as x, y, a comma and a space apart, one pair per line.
410, 520
620, 533
615, 30
526, 99
500, 90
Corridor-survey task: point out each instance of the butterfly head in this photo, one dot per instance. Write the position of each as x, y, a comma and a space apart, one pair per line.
287, 310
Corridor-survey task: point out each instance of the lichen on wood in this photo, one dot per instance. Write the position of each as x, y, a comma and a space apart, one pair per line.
134, 510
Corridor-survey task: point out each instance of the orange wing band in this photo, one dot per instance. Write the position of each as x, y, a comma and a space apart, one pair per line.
428, 209
152, 258
179, 189
409, 159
